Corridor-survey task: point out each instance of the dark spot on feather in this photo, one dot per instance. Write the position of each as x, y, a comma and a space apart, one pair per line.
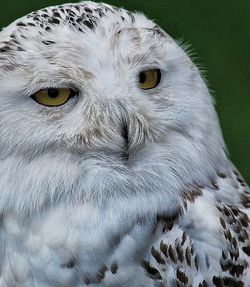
203, 284
181, 276
172, 254
21, 24
168, 220
214, 185
88, 10
235, 172
36, 19
131, 17
191, 193
164, 248
218, 282
237, 270
196, 262
101, 274
226, 211
97, 278
188, 256
56, 14
72, 15
246, 249
48, 42
179, 251
221, 174
234, 242
101, 14
184, 237
54, 21
207, 261
70, 264
192, 249
235, 210
245, 200
224, 254
228, 235
20, 49
222, 222
79, 20
114, 268
88, 23
232, 282
151, 271
5, 49
86, 280
157, 31
156, 254
244, 219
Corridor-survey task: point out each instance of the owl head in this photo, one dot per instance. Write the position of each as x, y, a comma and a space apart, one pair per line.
99, 103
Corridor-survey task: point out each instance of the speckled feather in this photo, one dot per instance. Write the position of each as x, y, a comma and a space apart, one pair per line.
119, 186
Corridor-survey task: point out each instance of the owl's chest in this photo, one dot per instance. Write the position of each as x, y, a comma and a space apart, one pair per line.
71, 246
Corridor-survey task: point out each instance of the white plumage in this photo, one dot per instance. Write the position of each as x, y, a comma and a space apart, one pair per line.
113, 169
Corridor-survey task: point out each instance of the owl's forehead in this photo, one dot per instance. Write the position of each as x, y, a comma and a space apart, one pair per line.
83, 16
69, 30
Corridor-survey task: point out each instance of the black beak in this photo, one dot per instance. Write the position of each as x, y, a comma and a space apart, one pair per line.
125, 135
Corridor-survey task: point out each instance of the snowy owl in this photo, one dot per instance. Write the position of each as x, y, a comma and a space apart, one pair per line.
113, 169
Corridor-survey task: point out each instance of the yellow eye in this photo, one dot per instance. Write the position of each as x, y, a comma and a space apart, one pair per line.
149, 79
53, 97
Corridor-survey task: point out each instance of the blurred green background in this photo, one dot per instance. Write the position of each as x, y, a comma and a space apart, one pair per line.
219, 33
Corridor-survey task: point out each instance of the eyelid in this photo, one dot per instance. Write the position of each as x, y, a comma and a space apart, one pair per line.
34, 88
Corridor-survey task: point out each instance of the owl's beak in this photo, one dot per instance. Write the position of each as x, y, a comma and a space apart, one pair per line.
125, 135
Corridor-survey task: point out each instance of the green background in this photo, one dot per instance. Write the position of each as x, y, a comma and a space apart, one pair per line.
219, 33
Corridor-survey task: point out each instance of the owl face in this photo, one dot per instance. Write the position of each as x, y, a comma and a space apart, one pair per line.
92, 78
89, 78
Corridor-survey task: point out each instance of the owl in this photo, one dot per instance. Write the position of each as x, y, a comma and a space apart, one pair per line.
113, 168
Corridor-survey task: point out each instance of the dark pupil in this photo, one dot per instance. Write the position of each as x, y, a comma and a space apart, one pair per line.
53, 93
142, 77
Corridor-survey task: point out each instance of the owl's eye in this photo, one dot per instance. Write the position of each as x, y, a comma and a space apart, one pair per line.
53, 97
149, 79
